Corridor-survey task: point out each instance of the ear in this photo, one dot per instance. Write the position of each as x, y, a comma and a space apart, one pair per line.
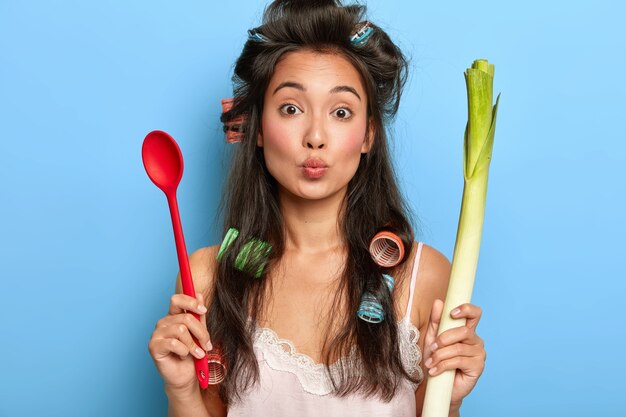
368, 142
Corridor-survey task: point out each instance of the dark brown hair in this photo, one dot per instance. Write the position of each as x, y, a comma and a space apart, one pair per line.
372, 201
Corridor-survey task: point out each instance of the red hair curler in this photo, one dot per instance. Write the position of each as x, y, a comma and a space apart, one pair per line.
232, 128
387, 249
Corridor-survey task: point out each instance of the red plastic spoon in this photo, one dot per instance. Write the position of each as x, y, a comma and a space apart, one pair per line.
163, 162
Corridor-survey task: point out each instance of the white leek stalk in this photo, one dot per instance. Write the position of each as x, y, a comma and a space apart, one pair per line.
478, 144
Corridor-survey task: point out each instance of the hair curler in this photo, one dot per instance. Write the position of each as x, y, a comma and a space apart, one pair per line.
232, 128
370, 309
387, 249
217, 366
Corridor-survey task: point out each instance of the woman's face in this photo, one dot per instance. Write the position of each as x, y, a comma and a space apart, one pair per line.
314, 124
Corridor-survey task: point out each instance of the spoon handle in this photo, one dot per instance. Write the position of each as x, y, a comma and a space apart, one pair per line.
202, 364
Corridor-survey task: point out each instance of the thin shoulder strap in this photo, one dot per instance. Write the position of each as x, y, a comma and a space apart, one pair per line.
413, 279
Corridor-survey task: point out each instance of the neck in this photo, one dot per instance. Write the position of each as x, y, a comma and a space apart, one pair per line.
312, 226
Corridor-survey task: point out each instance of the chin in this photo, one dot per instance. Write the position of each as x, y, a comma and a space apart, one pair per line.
318, 191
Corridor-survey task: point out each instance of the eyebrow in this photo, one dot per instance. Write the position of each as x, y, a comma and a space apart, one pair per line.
334, 90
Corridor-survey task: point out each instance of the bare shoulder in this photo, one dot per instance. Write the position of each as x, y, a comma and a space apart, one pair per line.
202, 263
432, 282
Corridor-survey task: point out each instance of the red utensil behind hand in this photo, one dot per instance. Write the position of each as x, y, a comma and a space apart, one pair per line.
163, 162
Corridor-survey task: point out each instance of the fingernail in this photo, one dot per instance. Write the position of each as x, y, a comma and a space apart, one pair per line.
432, 370
428, 362
199, 352
433, 347
202, 309
455, 311
209, 346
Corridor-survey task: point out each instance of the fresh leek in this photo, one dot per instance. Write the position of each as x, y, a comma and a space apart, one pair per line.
478, 145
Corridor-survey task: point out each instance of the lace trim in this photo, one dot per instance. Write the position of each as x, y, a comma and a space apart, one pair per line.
281, 355
409, 350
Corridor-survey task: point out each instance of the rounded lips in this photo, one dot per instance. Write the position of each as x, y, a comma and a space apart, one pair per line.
314, 163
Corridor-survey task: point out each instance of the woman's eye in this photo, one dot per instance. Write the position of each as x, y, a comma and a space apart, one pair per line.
343, 113
289, 109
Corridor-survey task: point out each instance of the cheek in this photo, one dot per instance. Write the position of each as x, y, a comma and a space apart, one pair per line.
348, 151
278, 147
276, 137
352, 142
274, 134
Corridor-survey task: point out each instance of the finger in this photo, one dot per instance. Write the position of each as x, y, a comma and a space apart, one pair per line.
181, 303
448, 352
162, 347
196, 328
169, 326
459, 334
433, 326
182, 332
178, 340
470, 366
471, 312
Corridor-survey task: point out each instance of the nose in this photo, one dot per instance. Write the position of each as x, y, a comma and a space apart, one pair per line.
314, 145
315, 136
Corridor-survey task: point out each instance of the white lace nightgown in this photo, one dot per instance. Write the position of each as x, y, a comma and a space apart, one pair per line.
292, 384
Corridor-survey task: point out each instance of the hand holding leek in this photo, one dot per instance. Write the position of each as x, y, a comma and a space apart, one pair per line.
478, 145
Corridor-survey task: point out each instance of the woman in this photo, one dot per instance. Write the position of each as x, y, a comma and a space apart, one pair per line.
316, 86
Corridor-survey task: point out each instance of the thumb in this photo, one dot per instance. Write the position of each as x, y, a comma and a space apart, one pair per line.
433, 326
203, 319
201, 302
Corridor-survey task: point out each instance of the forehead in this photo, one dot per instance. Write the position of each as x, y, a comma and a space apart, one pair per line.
316, 68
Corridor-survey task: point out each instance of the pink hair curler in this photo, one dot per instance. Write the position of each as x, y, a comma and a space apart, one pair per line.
233, 128
387, 249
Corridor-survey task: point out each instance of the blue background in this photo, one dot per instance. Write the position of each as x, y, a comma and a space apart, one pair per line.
87, 254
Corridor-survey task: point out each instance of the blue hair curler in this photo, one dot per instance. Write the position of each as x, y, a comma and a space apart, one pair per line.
255, 36
362, 34
370, 309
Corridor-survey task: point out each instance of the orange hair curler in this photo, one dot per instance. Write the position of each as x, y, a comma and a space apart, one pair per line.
387, 249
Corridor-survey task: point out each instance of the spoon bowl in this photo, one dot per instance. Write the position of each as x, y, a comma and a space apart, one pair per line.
162, 160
